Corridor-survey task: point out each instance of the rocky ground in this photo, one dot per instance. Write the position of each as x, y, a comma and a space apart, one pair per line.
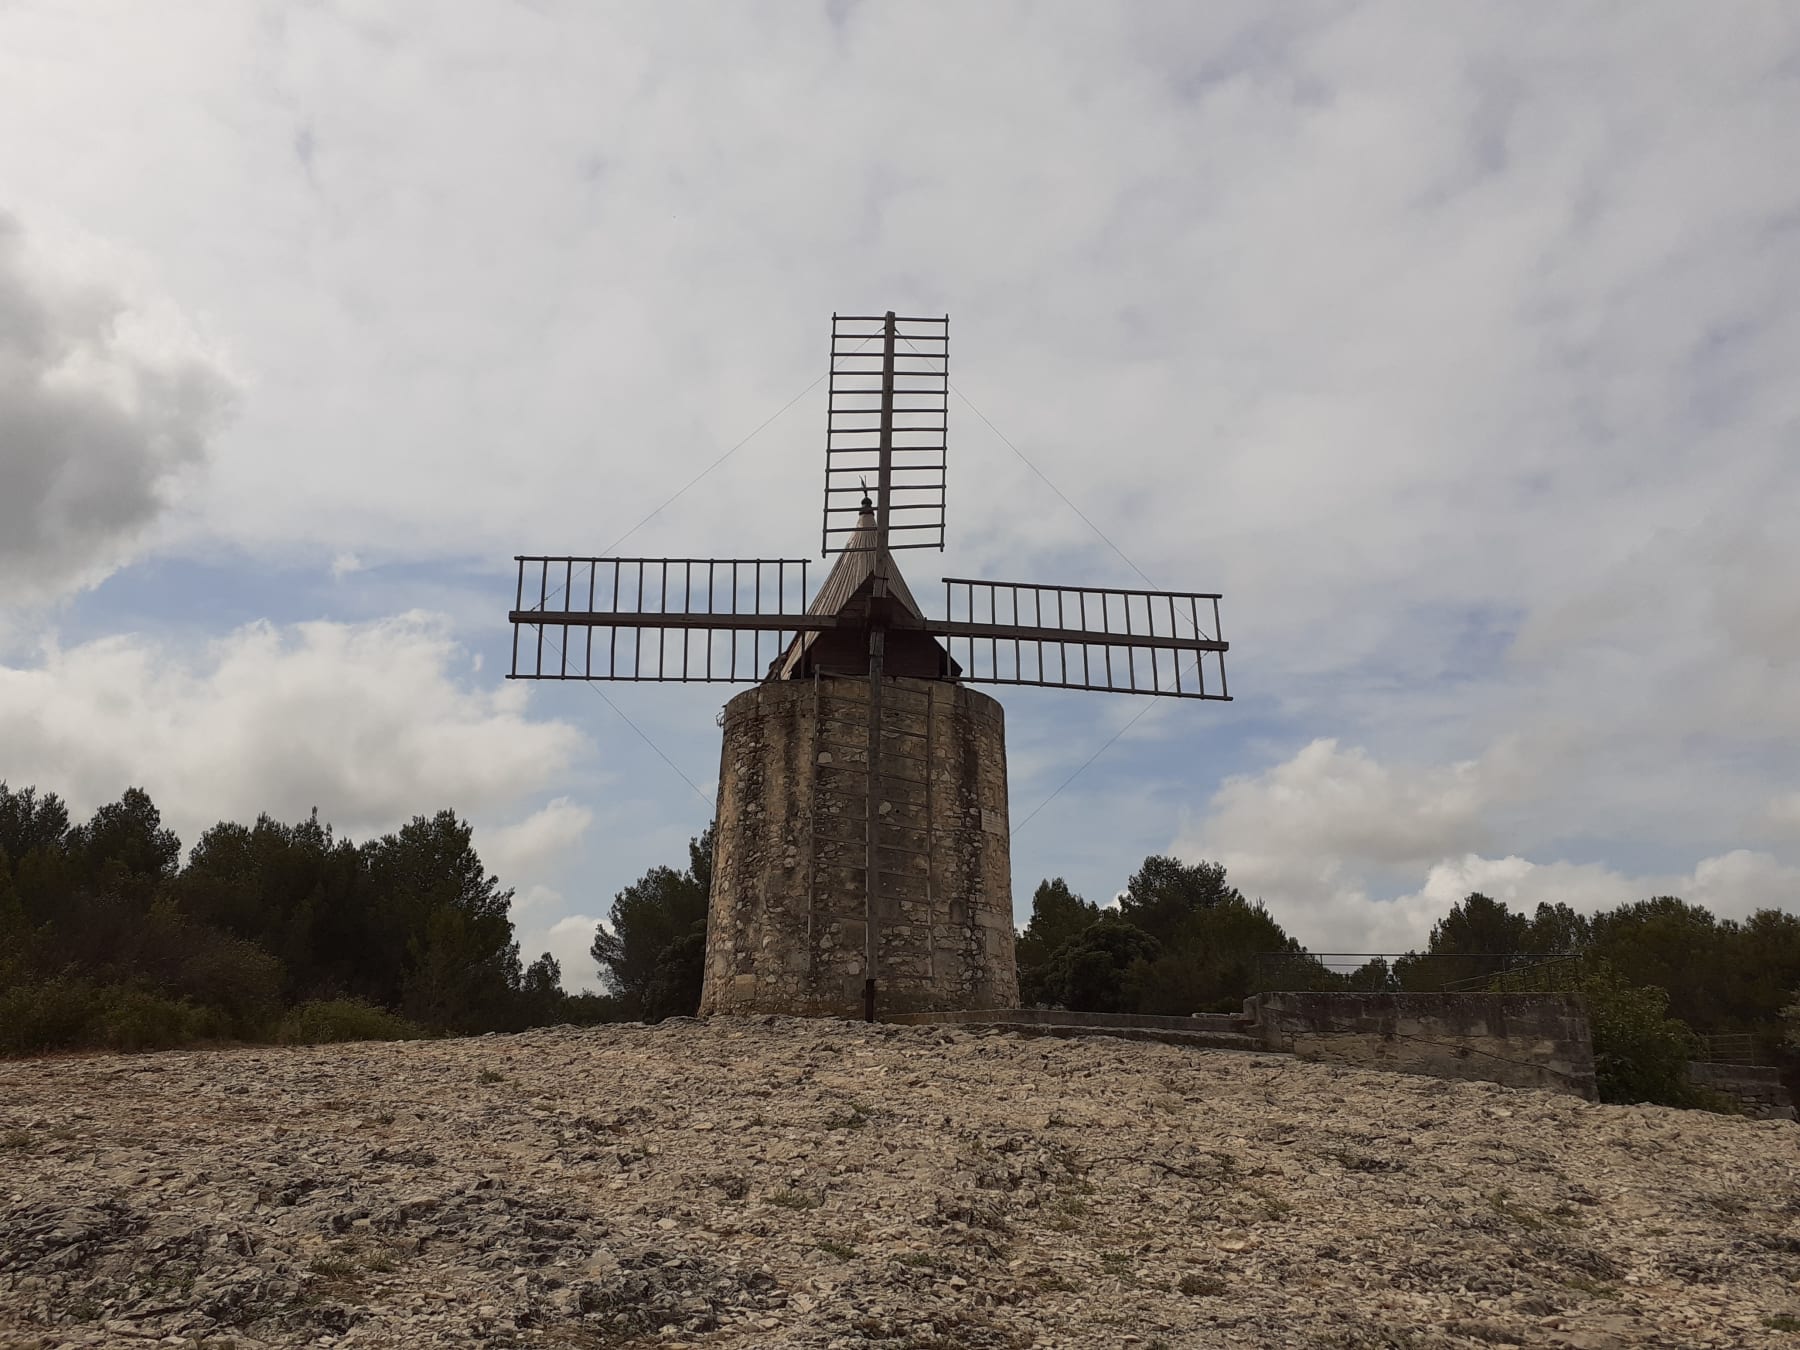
789, 1183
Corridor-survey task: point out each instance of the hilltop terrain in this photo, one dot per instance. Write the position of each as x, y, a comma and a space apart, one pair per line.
777, 1182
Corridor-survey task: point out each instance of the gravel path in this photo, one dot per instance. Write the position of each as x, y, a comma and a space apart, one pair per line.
776, 1182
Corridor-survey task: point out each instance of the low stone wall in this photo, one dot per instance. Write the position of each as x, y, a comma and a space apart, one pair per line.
1057, 1017
1524, 1040
1757, 1087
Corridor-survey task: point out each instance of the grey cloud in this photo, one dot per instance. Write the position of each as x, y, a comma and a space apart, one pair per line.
97, 420
1371, 324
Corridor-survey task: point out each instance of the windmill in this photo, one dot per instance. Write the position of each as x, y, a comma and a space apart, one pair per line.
861, 854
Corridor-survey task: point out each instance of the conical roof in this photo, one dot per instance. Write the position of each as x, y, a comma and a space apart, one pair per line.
848, 589
856, 566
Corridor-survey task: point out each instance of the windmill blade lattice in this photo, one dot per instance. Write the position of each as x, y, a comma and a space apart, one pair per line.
886, 423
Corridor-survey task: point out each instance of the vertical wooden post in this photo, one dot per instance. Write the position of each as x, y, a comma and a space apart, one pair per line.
877, 652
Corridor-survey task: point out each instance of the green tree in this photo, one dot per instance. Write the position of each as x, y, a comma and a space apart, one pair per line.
1557, 928
1374, 976
105, 940
1480, 925
124, 843
1088, 972
441, 929
1641, 1054
305, 896
30, 821
1216, 959
15, 930
541, 998
1057, 914
1678, 947
1765, 969
1166, 893
1479, 938
676, 982
659, 909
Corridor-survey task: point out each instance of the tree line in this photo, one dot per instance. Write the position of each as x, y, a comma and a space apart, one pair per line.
277, 931
269, 931
1658, 974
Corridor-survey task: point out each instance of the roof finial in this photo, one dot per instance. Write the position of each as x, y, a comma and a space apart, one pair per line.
867, 505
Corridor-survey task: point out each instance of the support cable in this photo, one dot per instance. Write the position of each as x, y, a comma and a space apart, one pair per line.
1026, 461
761, 427
1198, 631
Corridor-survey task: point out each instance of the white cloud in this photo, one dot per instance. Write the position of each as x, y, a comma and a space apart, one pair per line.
1338, 801
1458, 355
107, 400
568, 940
1353, 855
364, 721
529, 846
1738, 883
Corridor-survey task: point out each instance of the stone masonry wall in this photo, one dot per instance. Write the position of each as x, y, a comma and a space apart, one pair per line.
785, 929
1524, 1040
1757, 1088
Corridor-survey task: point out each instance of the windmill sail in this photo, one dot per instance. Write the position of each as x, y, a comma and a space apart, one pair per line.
681, 620
1165, 643
890, 387
735, 620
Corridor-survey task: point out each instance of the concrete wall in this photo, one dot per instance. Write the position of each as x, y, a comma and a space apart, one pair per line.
785, 930
1525, 1040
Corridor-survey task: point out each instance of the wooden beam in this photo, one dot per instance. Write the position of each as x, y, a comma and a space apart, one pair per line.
821, 623
722, 620
1084, 637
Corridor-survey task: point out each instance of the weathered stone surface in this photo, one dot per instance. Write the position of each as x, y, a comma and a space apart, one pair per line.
1757, 1088
1523, 1040
808, 1183
785, 932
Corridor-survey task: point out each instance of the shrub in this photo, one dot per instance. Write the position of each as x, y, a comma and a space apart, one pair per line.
69, 1013
47, 1015
325, 1021
238, 978
1641, 1054
135, 1019
586, 1010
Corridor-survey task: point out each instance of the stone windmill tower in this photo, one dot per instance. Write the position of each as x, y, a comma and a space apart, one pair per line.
862, 857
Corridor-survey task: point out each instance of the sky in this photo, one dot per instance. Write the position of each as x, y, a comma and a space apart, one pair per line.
1455, 345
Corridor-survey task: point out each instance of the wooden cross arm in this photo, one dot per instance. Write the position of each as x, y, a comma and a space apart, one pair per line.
748, 623
1086, 637
819, 623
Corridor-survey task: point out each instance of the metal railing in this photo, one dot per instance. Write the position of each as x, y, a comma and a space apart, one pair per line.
1395, 972
1731, 1047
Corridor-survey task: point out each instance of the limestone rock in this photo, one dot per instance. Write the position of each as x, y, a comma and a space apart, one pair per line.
791, 1183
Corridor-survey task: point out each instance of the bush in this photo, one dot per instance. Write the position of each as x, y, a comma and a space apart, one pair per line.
325, 1021
1641, 1054
238, 979
67, 1013
135, 1019
47, 1015
587, 1010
